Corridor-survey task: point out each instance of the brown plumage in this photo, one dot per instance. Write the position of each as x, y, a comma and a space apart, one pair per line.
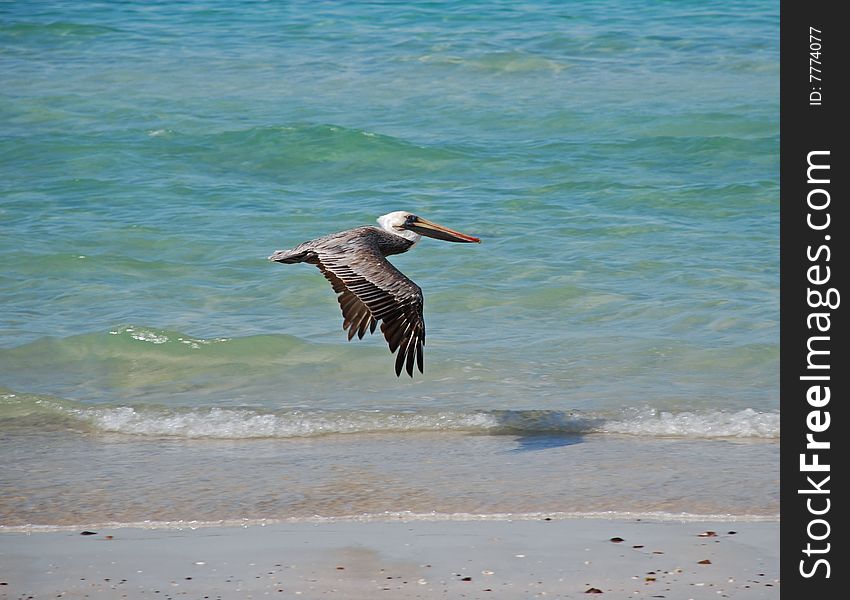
370, 288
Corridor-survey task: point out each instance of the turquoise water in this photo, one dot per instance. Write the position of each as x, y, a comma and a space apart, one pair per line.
618, 160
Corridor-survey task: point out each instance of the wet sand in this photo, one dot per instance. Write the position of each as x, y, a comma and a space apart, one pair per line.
571, 558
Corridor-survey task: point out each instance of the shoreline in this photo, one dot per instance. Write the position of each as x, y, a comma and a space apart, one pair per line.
395, 517
560, 558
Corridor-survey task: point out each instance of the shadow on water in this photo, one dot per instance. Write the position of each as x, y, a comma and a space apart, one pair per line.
546, 441
537, 430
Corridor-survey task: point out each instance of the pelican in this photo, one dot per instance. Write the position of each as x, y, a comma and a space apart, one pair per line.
370, 288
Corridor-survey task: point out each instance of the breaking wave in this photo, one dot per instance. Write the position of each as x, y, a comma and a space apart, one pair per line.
248, 423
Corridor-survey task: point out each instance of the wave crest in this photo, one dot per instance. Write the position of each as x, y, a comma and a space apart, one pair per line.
248, 423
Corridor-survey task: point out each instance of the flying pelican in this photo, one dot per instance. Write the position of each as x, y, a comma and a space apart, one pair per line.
370, 288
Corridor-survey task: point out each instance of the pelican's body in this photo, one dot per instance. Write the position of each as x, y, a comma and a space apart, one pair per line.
370, 288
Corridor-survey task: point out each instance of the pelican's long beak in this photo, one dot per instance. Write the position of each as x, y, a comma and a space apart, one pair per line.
426, 227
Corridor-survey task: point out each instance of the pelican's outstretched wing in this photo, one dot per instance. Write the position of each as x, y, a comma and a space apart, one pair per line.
371, 289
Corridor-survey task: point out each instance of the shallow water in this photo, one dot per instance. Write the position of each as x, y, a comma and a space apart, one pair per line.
128, 479
619, 320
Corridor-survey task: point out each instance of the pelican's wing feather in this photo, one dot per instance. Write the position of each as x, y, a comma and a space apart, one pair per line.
371, 289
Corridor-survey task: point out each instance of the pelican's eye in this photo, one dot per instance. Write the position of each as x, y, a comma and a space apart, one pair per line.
411, 219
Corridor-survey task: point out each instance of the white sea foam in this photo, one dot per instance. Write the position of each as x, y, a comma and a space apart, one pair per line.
408, 517
250, 422
243, 423
746, 423
246, 423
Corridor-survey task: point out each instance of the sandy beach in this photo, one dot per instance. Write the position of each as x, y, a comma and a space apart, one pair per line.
570, 558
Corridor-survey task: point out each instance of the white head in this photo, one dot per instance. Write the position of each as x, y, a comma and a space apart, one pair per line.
395, 222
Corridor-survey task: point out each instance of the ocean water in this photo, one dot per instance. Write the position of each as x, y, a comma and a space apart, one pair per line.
612, 346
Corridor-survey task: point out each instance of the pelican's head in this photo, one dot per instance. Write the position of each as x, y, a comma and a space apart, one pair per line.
411, 227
